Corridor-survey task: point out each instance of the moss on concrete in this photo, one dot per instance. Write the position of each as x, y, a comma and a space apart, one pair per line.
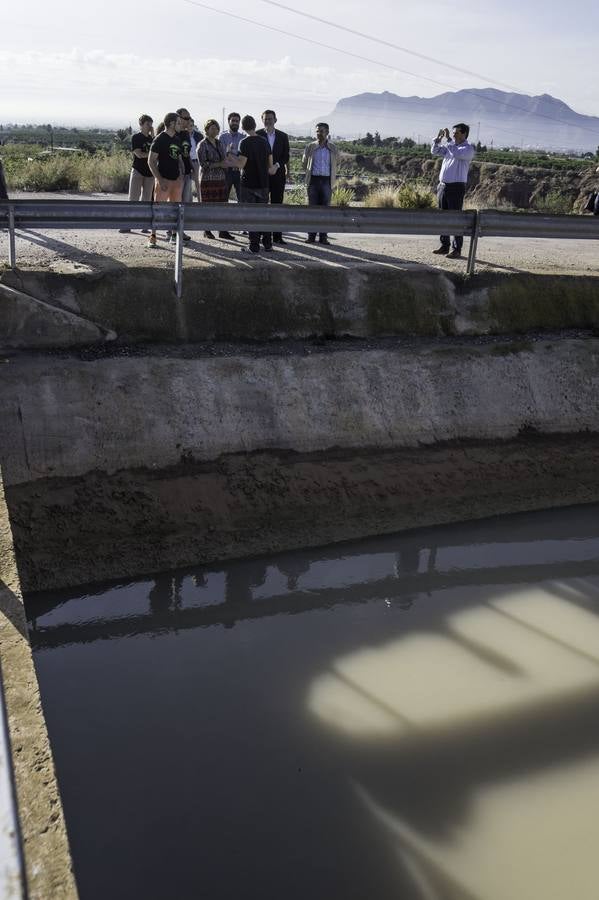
531, 302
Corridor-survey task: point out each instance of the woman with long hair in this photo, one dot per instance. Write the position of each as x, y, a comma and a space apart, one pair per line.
212, 158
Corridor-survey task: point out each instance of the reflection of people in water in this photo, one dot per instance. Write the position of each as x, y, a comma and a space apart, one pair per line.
294, 567
407, 562
240, 578
166, 593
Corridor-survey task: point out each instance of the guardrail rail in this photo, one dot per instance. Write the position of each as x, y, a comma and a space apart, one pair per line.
115, 214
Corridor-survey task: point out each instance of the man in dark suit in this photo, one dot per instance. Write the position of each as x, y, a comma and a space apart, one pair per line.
279, 147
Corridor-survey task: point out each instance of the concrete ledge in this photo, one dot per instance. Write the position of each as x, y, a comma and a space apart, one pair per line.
45, 844
268, 302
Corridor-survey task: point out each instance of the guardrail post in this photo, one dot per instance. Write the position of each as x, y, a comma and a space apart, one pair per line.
179, 252
12, 253
473, 243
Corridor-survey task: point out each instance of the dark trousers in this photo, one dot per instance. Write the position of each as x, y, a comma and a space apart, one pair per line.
256, 195
451, 196
233, 179
276, 193
319, 194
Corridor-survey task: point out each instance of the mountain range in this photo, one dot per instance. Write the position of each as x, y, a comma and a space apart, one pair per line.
496, 118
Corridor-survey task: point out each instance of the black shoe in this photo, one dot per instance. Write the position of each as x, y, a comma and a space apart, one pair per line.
323, 241
278, 241
455, 254
268, 247
442, 250
250, 249
209, 234
124, 231
311, 240
226, 235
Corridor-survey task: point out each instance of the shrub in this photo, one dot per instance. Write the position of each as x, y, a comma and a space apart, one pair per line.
554, 203
296, 196
342, 197
54, 173
382, 198
107, 174
414, 197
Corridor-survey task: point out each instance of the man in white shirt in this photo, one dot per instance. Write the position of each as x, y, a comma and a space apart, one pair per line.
320, 165
457, 155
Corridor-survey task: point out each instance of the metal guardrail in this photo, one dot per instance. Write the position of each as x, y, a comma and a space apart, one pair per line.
114, 214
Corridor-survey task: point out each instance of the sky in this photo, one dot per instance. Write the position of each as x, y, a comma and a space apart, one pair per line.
106, 63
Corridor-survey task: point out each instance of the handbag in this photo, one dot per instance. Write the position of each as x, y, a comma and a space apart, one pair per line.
590, 204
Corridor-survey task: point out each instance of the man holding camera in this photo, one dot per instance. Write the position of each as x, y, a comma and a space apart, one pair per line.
457, 155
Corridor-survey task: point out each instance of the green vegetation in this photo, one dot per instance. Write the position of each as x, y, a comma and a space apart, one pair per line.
28, 168
408, 196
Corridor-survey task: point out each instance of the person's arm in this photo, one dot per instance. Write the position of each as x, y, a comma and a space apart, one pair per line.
140, 154
305, 158
153, 166
3, 189
464, 151
285, 159
238, 162
273, 168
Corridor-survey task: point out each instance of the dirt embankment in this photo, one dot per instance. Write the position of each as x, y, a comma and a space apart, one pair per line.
494, 184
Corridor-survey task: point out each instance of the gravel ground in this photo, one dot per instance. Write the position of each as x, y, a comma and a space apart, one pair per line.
81, 251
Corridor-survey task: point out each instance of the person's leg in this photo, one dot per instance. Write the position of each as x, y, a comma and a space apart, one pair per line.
249, 196
442, 202
262, 197
277, 193
236, 176
313, 195
325, 200
455, 200
186, 194
147, 189
135, 180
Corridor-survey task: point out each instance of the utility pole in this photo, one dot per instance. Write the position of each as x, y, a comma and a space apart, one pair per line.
477, 132
223, 118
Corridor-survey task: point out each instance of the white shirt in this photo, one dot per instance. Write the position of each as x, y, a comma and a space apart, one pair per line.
456, 160
271, 138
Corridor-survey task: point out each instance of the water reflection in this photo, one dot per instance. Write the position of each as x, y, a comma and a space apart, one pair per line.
394, 718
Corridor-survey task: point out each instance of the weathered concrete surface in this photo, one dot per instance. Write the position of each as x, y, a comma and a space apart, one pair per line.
26, 321
45, 844
269, 302
64, 417
135, 522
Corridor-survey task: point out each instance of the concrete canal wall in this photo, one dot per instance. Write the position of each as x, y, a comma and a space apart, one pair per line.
280, 408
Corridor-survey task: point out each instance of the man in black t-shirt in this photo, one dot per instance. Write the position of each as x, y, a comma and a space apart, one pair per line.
255, 162
163, 161
141, 180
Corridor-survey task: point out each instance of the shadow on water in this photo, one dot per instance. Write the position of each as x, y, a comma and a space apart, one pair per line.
327, 723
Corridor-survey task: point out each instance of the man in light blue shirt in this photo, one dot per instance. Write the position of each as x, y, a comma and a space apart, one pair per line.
231, 140
457, 155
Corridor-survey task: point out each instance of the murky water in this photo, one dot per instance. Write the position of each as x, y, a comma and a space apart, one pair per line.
411, 717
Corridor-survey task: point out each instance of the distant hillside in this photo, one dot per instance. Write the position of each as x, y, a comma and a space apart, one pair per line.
495, 117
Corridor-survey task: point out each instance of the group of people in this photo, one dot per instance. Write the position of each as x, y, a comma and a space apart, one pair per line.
251, 161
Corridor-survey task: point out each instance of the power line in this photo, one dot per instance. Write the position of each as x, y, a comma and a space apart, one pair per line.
376, 62
377, 40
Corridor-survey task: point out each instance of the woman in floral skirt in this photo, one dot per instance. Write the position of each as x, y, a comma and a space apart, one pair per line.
212, 157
